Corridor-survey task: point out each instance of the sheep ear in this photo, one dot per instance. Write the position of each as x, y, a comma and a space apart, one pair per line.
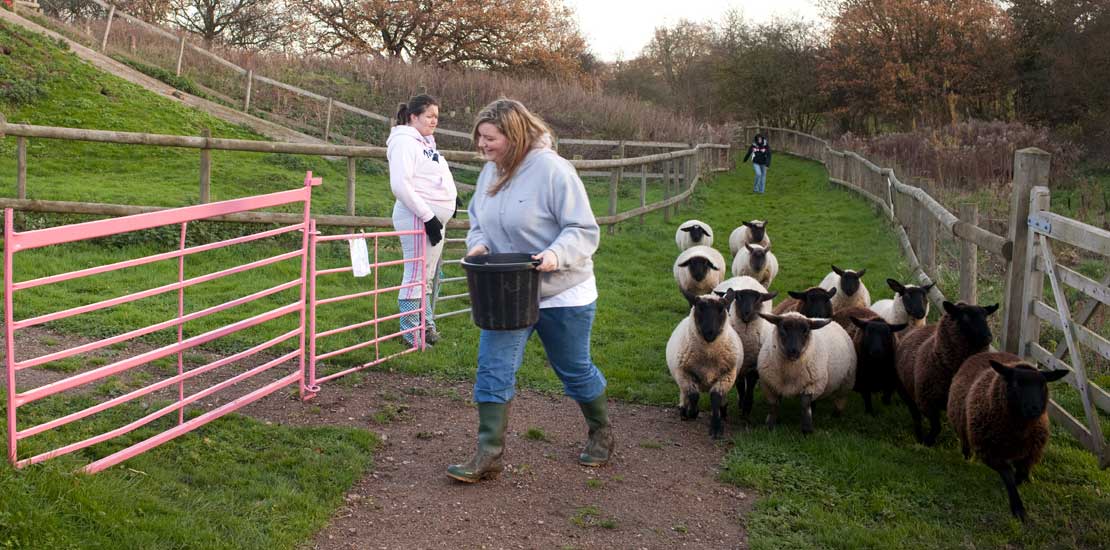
686, 229
748, 224
796, 295
1054, 375
713, 267
928, 287
859, 274
767, 248
837, 270
861, 323
706, 231
815, 324
991, 309
896, 286
749, 247
899, 327
686, 263
950, 308
1003, 370
768, 296
771, 318
764, 225
718, 293
730, 296
832, 292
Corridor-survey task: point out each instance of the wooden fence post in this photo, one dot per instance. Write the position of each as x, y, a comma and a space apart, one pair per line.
969, 257
1031, 169
668, 169
1033, 291
247, 101
614, 182
351, 166
205, 167
180, 55
926, 241
107, 28
21, 167
643, 189
327, 121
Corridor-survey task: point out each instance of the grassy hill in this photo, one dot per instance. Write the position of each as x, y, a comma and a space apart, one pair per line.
858, 482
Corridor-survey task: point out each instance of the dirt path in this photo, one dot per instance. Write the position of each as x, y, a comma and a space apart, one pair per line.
660, 491
111, 66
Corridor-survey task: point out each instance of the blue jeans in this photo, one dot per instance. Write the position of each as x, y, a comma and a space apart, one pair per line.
565, 333
760, 177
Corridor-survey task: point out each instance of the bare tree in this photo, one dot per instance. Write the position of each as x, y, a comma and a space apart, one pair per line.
240, 23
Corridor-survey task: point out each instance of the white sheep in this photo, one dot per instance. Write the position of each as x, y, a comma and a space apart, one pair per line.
910, 304
809, 358
753, 232
704, 353
851, 292
756, 262
693, 232
751, 300
698, 270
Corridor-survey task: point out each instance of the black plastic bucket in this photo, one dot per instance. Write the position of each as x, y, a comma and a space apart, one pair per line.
504, 290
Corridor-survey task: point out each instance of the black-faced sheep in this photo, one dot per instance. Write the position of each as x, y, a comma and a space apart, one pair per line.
875, 345
756, 262
850, 290
751, 300
997, 407
753, 232
808, 358
692, 233
814, 302
704, 353
698, 270
910, 304
928, 357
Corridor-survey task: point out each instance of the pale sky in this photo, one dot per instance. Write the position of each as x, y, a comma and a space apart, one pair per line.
623, 27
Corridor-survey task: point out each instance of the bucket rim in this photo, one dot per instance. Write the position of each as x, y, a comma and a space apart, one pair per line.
470, 264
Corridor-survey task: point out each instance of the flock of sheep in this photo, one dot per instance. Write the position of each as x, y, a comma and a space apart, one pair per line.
826, 341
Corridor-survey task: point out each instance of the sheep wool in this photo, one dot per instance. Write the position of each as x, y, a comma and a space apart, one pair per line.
910, 304
703, 261
856, 296
765, 268
692, 233
743, 235
825, 367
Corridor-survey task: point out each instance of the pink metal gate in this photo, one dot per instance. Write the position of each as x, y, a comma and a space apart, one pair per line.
16, 242
376, 263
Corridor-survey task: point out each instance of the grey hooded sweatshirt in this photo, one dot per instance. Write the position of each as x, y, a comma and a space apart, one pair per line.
544, 206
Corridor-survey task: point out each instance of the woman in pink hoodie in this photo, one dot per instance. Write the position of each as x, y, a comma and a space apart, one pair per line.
425, 191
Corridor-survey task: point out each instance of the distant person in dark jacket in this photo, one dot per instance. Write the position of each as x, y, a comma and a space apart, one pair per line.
760, 153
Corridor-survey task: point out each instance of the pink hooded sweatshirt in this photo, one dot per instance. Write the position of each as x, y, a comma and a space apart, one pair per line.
418, 175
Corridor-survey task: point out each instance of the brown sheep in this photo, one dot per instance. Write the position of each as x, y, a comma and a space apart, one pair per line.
814, 302
928, 357
875, 343
997, 407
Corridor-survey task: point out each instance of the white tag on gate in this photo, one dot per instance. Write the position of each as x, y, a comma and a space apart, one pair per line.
360, 258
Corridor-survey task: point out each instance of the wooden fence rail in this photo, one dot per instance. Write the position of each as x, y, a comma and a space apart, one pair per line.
711, 157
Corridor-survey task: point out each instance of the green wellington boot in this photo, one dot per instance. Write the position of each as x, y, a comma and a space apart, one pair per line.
600, 446
493, 418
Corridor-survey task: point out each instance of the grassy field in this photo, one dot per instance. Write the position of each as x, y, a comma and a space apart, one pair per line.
858, 482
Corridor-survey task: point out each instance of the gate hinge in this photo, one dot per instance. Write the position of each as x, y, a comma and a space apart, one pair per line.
1041, 224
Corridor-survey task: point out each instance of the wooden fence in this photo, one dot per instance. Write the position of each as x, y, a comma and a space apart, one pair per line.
920, 221
245, 96
683, 168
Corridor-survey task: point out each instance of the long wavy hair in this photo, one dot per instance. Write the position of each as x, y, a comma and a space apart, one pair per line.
521, 128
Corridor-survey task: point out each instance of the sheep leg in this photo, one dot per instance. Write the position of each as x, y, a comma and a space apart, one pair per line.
1017, 508
716, 426
886, 396
690, 412
690, 297
934, 427
751, 378
867, 403
807, 413
1022, 468
914, 412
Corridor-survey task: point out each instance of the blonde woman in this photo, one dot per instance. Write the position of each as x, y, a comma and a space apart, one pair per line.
425, 190
529, 199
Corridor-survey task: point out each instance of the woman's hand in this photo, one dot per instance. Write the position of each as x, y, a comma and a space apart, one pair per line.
478, 250
548, 261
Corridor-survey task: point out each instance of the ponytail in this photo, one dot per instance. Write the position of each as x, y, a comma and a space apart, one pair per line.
403, 114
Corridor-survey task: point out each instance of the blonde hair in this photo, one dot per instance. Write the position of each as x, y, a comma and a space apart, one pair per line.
521, 128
